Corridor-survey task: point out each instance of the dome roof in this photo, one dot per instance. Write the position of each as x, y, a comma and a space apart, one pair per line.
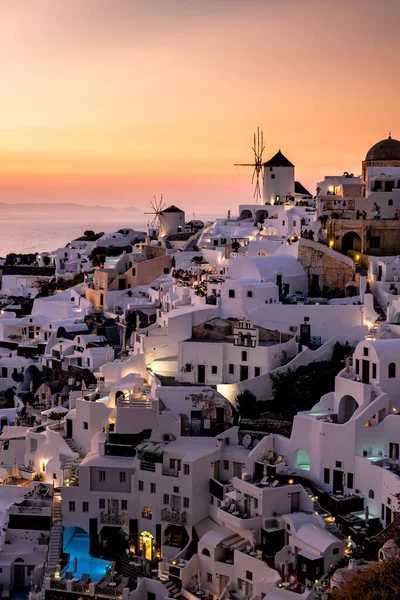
384, 150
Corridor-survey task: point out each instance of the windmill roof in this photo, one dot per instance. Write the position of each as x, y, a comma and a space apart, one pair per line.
300, 189
279, 160
172, 208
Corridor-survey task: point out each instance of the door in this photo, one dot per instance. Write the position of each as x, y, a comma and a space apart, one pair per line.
295, 502
220, 414
279, 283
19, 575
176, 503
113, 506
365, 371
244, 372
201, 374
69, 428
237, 470
337, 482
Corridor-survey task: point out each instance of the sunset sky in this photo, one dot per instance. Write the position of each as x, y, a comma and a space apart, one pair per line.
112, 101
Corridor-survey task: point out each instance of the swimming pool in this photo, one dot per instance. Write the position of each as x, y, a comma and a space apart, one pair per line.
76, 544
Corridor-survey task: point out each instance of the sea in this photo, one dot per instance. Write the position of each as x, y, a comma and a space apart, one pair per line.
37, 235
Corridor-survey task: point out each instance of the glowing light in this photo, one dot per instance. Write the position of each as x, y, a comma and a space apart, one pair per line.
394, 409
357, 257
331, 243
290, 481
330, 188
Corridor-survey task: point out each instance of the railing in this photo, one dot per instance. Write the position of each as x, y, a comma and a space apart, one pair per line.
170, 472
108, 591
33, 510
175, 517
110, 519
80, 587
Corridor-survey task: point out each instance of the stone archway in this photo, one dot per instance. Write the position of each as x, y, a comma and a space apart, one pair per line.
347, 407
351, 241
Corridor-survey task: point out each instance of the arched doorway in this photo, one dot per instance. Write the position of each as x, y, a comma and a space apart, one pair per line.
347, 407
245, 214
261, 215
396, 320
146, 542
119, 397
351, 241
31, 376
19, 572
270, 230
302, 459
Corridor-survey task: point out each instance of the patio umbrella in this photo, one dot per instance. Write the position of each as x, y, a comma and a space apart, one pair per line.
15, 474
75, 565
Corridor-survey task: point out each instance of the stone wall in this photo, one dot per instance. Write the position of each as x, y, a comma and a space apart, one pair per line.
333, 270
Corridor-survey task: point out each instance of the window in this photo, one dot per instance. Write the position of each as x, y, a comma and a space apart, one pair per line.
255, 502
389, 501
85, 425
140, 486
257, 371
350, 480
365, 351
249, 575
151, 596
231, 369
186, 469
102, 475
102, 503
226, 465
85, 506
186, 503
244, 355
288, 526
338, 464
146, 513
273, 176
392, 371
124, 504
205, 552
249, 294
231, 293
335, 551
209, 577
373, 370
165, 498
294, 223
371, 494
214, 369
122, 476
390, 202
166, 270
357, 366
382, 512
327, 475
176, 489
374, 241
71, 506
153, 488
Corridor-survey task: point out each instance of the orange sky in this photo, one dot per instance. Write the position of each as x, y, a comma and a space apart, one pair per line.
112, 101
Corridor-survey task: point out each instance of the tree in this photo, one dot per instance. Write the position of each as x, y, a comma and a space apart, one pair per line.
247, 404
380, 581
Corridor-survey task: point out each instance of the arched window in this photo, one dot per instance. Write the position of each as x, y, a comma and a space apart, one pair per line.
146, 513
371, 494
392, 371
206, 552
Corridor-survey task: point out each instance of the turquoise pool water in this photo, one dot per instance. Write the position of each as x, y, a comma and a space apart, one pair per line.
304, 467
374, 458
77, 546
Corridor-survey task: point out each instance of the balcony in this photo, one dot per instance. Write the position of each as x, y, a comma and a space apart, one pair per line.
174, 517
170, 472
110, 519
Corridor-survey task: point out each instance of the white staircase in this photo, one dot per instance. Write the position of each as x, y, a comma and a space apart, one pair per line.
169, 586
